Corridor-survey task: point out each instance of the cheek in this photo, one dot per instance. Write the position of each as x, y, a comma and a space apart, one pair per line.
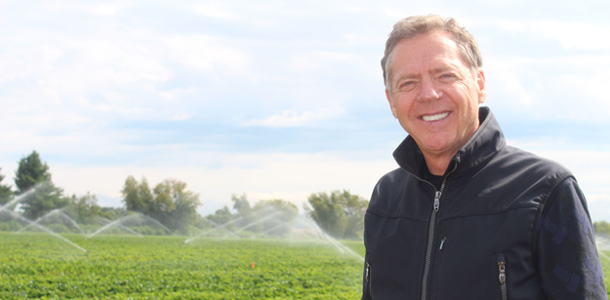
402, 106
394, 109
402, 111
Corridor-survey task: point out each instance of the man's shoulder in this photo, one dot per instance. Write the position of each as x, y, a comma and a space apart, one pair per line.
528, 166
390, 182
524, 156
394, 176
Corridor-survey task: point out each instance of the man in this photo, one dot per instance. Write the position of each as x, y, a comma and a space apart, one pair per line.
467, 216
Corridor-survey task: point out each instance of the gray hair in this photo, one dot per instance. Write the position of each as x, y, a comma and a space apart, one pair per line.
412, 26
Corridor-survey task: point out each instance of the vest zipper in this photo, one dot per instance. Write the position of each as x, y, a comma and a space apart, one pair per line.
428, 261
431, 230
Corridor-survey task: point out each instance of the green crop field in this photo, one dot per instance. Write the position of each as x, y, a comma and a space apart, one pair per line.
34, 265
605, 257
40, 266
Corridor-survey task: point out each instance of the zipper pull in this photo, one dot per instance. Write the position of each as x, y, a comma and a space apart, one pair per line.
437, 200
502, 269
442, 244
368, 271
502, 275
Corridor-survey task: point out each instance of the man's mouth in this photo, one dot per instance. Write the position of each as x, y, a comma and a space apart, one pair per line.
431, 118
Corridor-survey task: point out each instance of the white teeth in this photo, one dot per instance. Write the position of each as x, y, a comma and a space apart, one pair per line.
435, 117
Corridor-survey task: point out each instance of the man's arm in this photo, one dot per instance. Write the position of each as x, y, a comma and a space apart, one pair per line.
567, 259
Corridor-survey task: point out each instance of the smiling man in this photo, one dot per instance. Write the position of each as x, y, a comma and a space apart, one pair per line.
467, 216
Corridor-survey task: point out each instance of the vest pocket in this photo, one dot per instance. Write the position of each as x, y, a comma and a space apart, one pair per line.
501, 259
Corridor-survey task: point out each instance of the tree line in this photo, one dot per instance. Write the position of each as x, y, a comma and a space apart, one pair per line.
33, 183
339, 213
602, 228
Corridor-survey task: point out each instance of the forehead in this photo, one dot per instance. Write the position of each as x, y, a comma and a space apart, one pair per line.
432, 50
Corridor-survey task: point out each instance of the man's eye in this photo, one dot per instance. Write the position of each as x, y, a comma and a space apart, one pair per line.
407, 84
447, 77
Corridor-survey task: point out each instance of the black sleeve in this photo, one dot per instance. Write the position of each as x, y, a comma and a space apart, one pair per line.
567, 259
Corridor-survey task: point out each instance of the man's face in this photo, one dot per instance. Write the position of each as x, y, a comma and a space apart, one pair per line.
434, 94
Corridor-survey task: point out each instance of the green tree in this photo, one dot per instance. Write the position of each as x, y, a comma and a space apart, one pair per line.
137, 196
354, 209
169, 202
277, 215
131, 196
45, 198
339, 214
244, 216
266, 216
146, 197
84, 208
112, 213
5, 191
602, 228
32, 173
221, 216
163, 205
241, 204
175, 206
287, 211
328, 213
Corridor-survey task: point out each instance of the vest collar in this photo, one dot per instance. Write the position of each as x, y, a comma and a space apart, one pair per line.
482, 146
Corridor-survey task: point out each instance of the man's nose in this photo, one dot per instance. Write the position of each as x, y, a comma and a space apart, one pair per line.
428, 90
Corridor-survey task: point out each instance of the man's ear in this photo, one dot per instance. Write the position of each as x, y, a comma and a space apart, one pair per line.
482, 89
388, 95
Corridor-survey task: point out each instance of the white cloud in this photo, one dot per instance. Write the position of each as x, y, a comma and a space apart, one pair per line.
572, 35
557, 88
106, 8
321, 60
208, 54
504, 78
216, 10
291, 118
177, 93
66, 67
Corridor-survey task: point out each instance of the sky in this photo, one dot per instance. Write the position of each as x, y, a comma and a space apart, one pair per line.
278, 99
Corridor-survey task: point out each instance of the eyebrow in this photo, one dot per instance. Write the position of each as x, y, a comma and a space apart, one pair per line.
434, 71
443, 69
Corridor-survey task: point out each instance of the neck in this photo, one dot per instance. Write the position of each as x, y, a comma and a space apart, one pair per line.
437, 165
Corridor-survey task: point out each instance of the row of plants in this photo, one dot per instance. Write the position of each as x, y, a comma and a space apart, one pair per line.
34, 265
